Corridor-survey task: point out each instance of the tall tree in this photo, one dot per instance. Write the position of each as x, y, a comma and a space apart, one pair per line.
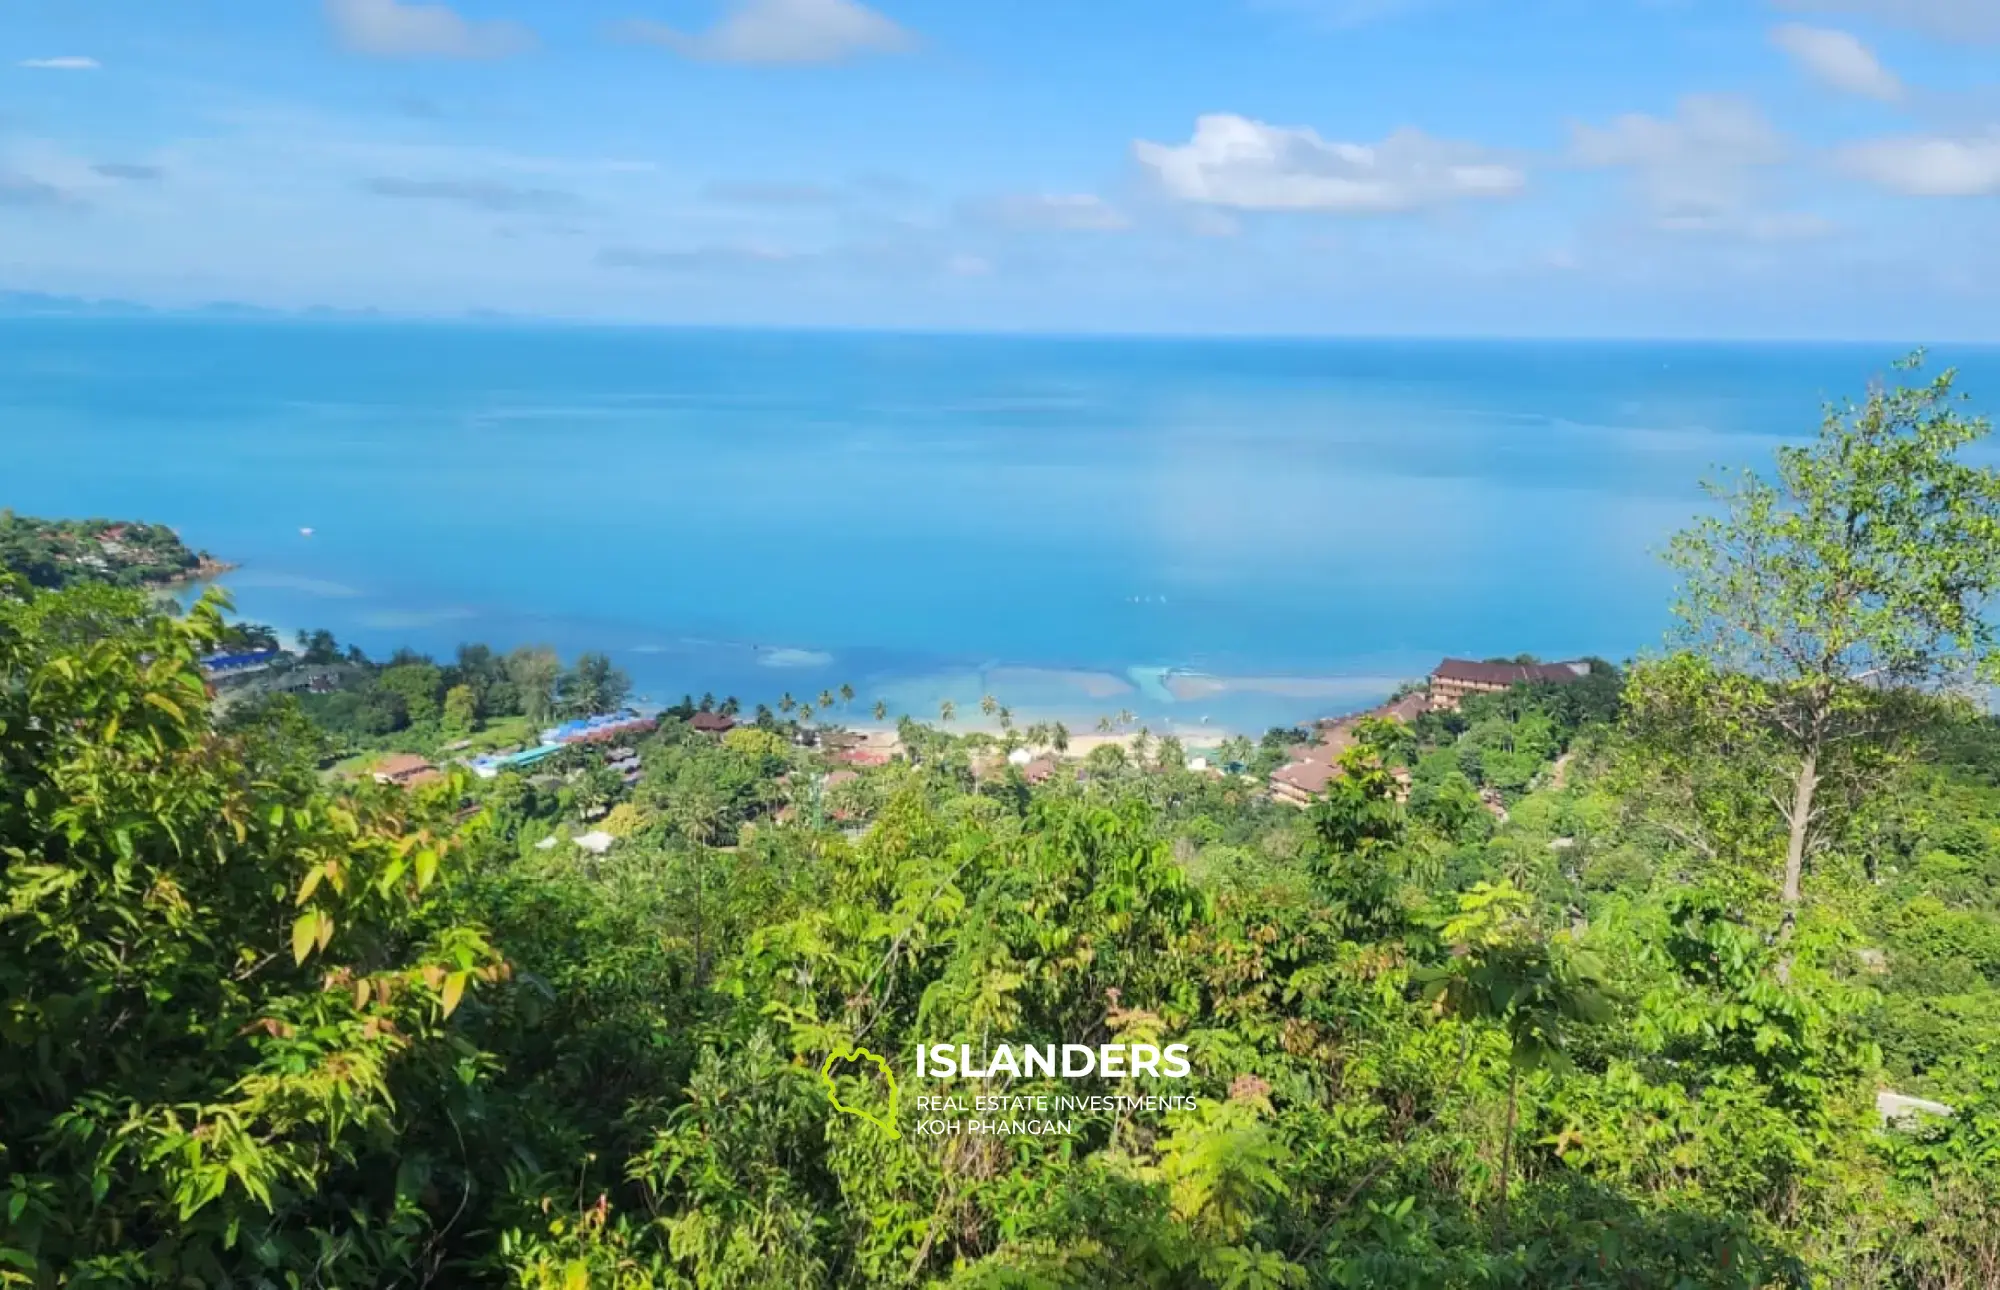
1821, 601
534, 670
461, 710
595, 686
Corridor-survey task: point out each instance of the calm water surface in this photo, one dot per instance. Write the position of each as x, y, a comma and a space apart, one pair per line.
921, 516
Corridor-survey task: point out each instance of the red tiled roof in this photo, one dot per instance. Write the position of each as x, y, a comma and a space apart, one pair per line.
1406, 709
1462, 669
713, 723
1306, 776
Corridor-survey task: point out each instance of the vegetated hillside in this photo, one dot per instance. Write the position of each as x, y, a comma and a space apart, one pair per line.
63, 553
1533, 995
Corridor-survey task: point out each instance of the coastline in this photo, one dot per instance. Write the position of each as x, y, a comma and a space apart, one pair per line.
1198, 707
207, 568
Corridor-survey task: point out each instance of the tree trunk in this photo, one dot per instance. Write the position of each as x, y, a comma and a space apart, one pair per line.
700, 951
1507, 1143
1795, 859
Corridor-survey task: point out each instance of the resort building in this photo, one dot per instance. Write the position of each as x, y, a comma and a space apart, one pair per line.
219, 665
625, 762
590, 730
1455, 678
712, 723
406, 770
1298, 783
1315, 765
489, 767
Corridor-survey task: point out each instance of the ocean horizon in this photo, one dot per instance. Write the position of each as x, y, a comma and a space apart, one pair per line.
1225, 532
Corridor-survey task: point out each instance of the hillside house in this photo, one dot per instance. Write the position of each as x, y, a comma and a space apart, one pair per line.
406, 770
1455, 678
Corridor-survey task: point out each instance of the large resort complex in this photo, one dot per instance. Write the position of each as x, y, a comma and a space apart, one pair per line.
1315, 765
1455, 678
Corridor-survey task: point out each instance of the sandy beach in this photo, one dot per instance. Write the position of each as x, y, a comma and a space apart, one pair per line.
1081, 742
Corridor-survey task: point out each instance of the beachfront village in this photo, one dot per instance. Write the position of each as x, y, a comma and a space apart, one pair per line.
435, 721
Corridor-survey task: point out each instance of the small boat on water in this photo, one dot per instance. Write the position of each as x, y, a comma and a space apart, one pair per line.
305, 532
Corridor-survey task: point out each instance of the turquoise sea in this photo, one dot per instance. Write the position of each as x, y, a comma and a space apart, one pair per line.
1056, 521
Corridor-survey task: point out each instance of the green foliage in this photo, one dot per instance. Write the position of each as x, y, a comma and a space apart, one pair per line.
217, 979
461, 710
64, 553
257, 1030
1817, 610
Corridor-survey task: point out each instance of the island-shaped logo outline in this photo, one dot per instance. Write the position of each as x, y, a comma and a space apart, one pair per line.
833, 1092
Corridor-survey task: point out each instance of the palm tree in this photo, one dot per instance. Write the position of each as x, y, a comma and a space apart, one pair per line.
881, 710
730, 706
805, 712
1125, 718
786, 702
1006, 718
1059, 738
825, 700
1104, 725
846, 694
946, 711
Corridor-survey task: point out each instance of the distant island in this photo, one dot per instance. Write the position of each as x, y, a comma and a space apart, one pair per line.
55, 554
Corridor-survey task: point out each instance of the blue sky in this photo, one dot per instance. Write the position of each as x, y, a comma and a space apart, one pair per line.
1782, 168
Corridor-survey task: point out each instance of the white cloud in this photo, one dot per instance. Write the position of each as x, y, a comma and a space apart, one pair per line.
782, 31
1929, 166
1241, 164
392, 29
26, 190
1838, 59
1696, 163
1084, 212
1957, 19
68, 63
